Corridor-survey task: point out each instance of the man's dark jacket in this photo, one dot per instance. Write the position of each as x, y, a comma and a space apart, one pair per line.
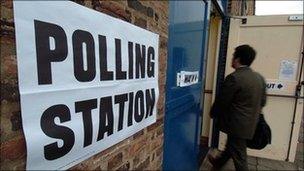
239, 103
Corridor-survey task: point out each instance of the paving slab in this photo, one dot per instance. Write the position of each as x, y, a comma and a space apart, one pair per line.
252, 167
276, 165
252, 160
254, 163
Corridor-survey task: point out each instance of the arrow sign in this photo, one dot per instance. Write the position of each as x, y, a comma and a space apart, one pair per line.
280, 86
275, 86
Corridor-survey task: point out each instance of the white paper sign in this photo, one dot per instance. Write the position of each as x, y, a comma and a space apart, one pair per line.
187, 78
87, 81
288, 70
275, 86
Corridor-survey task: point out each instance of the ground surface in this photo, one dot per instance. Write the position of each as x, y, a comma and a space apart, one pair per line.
254, 163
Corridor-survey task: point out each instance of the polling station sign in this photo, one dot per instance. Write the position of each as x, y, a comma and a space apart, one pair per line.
87, 81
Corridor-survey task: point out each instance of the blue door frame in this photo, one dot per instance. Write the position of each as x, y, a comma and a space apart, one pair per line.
188, 22
221, 6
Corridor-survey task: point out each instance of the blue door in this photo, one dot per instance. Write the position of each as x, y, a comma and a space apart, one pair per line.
187, 37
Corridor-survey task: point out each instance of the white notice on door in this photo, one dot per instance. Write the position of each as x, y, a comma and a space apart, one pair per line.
188, 78
288, 70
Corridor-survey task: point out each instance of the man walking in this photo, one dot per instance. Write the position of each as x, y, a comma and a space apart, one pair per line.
237, 107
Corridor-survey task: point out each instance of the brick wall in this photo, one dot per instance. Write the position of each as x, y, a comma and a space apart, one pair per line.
241, 7
140, 151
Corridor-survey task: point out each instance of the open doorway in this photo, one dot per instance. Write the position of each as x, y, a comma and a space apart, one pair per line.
215, 25
211, 69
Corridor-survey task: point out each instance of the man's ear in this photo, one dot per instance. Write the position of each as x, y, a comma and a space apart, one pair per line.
237, 60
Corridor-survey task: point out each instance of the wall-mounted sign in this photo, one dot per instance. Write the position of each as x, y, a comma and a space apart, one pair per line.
275, 86
87, 81
186, 78
295, 18
288, 70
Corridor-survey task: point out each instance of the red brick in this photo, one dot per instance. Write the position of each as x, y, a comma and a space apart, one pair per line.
160, 112
138, 6
156, 17
144, 164
20, 165
115, 161
141, 22
113, 9
156, 143
139, 157
81, 166
8, 108
97, 168
163, 42
160, 130
159, 151
107, 153
9, 65
13, 149
16, 121
138, 134
125, 166
9, 91
152, 135
7, 3
8, 52
153, 157
155, 125
137, 146
7, 27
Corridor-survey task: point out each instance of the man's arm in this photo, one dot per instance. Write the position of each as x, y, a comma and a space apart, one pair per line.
264, 97
223, 100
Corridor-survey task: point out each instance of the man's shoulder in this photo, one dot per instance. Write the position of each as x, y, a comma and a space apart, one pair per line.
260, 76
236, 74
231, 76
245, 74
246, 71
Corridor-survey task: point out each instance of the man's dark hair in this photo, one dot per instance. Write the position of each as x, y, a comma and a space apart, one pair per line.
245, 53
